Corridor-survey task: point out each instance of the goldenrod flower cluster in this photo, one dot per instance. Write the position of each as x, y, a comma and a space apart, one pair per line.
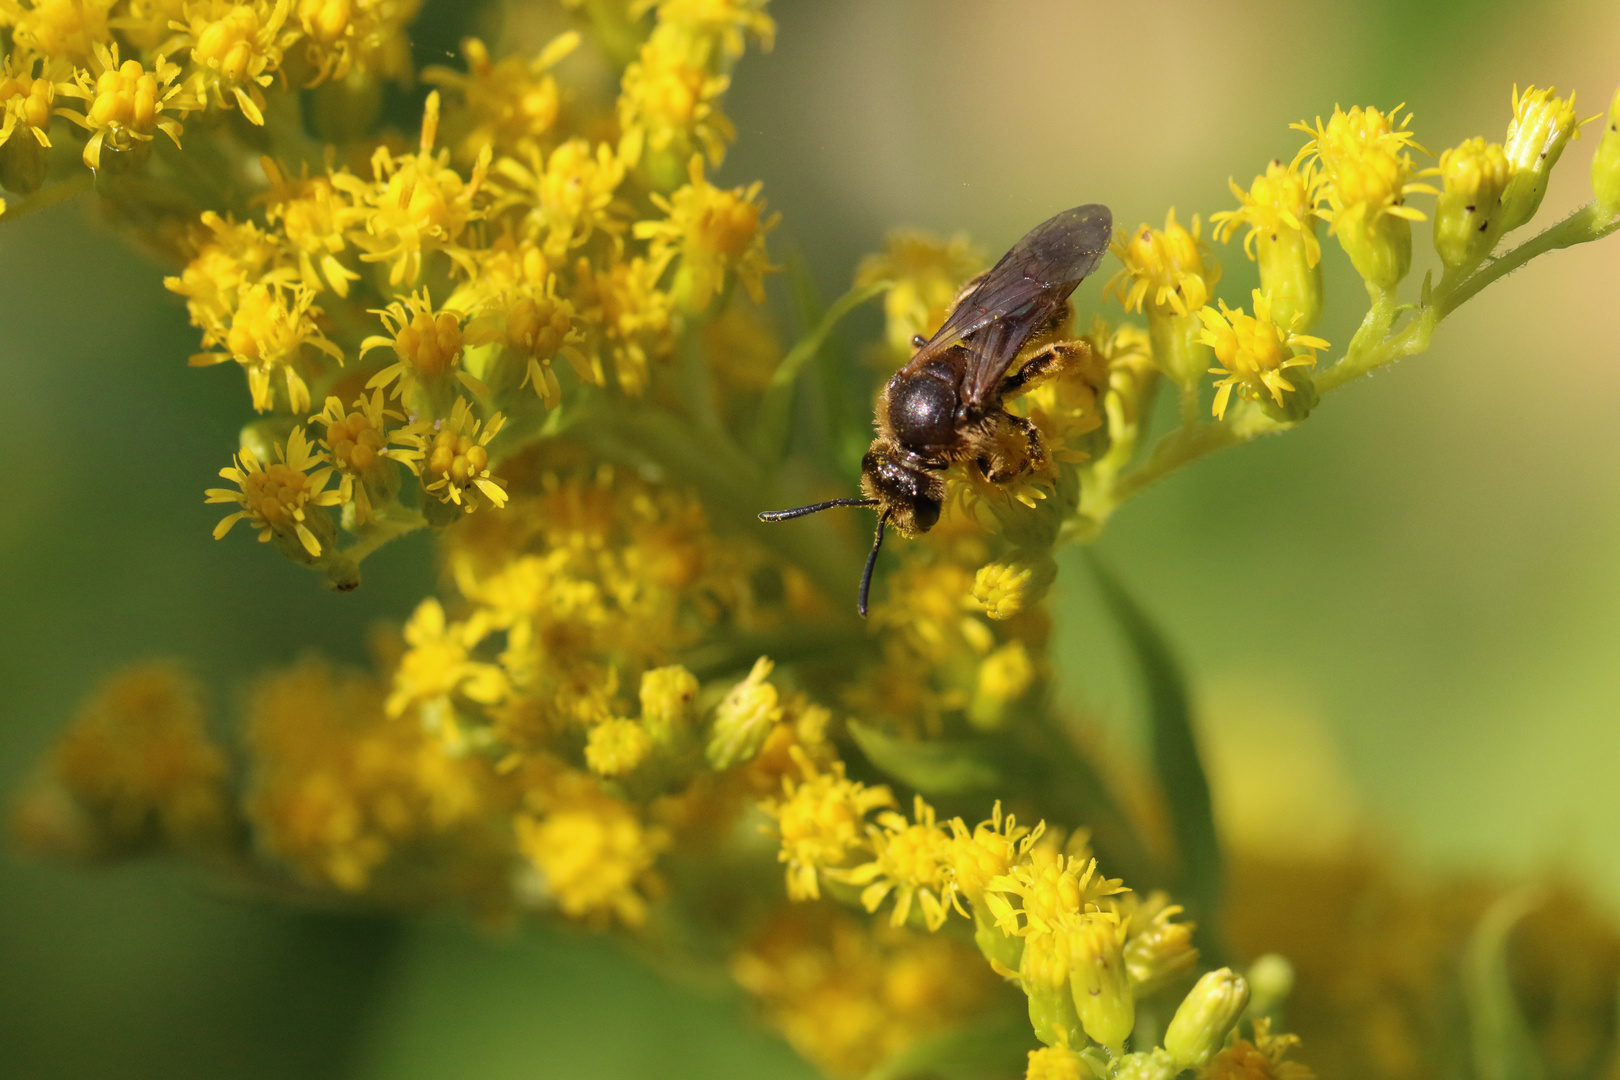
536, 326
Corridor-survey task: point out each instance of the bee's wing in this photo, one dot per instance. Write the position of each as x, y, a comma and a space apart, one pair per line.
1019, 293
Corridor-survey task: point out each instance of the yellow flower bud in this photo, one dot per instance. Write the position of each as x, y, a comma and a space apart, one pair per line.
1056, 1063
1205, 1017
1271, 980
1466, 217
744, 719
666, 703
1541, 125
1100, 982
1280, 211
617, 747
1606, 163
1149, 1065
1004, 676
1005, 588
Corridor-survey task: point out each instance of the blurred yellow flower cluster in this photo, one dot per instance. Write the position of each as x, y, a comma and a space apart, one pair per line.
535, 325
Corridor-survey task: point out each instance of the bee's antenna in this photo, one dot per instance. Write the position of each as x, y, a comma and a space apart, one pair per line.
871, 561
813, 508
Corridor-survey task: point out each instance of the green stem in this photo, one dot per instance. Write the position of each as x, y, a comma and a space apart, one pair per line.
385, 529
47, 197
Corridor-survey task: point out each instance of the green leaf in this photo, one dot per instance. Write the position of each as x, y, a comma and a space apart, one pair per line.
1503, 1046
776, 408
1197, 884
998, 1047
932, 767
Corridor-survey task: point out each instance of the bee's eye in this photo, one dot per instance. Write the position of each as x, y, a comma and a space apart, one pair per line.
927, 513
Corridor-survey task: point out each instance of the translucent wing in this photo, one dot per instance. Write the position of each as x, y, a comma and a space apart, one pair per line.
1019, 293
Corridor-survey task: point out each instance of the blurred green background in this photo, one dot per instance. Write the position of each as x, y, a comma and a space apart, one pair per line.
1402, 620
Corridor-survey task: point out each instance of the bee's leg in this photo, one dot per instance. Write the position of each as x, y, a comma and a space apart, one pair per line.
1044, 364
999, 468
1037, 447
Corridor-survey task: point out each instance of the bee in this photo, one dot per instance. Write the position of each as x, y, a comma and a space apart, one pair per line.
947, 405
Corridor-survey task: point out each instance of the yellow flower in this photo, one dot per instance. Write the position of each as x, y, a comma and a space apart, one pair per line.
567, 197
1005, 676
1254, 351
1542, 125
913, 859
437, 666
65, 32
428, 346
632, 319
282, 499
1258, 1060
1169, 270
344, 36
850, 996
1280, 211
1056, 1063
535, 326
313, 215
669, 101
716, 233
594, 854
455, 465
616, 747
136, 769
268, 331
236, 48
928, 272
415, 204
990, 851
727, 22
125, 103
26, 99
821, 821
1368, 174
357, 442
1053, 889
229, 256
509, 106
1158, 949
339, 787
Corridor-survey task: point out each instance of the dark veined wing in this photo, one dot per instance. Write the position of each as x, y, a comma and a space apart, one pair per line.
1018, 294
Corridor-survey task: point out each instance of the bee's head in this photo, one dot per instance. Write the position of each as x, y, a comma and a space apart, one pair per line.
911, 498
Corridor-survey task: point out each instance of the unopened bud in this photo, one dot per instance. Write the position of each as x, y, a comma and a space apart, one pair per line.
1205, 1017
744, 719
667, 694
1100, 981
1006, 587
1542, 124
1606, 164
616, 747
1291, 276
1044, 971
1467, 214
1379, 244
1057, 1063
1271, 980
1149, 1065
22, 163
1004, 676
